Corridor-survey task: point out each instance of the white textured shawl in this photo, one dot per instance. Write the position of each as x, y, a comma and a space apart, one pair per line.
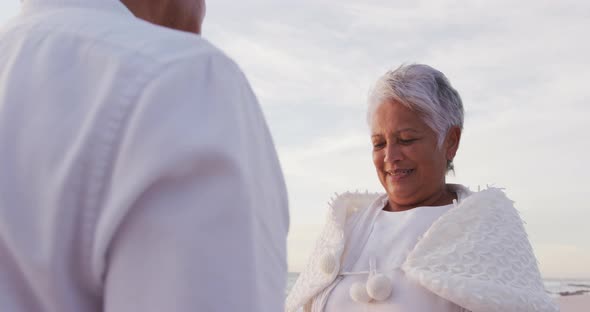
476, 255
342, 214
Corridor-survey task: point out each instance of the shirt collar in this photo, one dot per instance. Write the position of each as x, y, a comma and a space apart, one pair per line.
114, 6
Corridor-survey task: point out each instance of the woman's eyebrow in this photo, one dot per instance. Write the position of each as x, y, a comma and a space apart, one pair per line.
407, 130
397, 132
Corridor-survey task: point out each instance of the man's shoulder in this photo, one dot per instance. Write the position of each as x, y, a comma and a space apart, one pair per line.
160, 44
119, 35
163, 44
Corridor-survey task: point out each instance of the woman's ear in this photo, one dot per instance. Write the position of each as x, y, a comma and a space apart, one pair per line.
452, 142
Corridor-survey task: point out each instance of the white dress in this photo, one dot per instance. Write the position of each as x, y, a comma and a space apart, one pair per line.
393, 236
136, 169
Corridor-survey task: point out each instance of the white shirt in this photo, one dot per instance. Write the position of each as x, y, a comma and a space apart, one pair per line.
393, 236
137, 171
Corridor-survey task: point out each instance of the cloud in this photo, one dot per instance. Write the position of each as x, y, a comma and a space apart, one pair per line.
8, 10
563, 261
521, 69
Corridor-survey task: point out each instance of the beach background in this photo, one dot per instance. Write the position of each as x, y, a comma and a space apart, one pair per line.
521, 68
573, 295
554, 287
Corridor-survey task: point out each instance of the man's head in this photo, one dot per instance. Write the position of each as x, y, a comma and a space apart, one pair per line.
185, 15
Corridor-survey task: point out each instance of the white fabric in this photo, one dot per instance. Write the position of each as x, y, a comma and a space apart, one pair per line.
137, 174
489, 264
344, 212
476, 255
394, 234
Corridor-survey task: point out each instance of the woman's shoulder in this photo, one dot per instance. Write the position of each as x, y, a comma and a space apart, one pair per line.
350, 203
343, 210
324, 262
480, 246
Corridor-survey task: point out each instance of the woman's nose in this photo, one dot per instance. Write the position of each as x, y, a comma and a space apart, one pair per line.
393, 153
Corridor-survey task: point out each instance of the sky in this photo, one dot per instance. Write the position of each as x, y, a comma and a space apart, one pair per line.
520, 67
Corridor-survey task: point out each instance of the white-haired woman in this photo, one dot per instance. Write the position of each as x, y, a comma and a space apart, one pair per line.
424, 245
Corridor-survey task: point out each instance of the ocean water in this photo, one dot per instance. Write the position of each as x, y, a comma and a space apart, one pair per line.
557, 287
554, 287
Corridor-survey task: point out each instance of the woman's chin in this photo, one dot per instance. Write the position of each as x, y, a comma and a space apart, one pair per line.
401, 187
401, 194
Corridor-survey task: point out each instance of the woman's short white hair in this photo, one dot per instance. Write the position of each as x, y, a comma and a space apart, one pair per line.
424, 90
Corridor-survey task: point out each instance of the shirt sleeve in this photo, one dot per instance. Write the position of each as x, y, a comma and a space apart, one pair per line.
181, 227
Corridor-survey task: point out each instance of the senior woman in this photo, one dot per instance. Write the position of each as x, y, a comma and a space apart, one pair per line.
424, 245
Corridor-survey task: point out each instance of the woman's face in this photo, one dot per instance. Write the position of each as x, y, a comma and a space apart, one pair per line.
409, 163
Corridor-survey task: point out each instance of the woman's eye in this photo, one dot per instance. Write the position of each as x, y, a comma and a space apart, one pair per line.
407, 141
378, 145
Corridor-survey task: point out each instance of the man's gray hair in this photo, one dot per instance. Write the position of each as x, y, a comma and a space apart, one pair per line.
424, 90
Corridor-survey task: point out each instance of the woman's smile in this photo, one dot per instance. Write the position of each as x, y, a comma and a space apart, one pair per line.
398, 175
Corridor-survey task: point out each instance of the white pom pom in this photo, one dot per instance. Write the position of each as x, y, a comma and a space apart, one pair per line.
379, 287
328, 263
358, 293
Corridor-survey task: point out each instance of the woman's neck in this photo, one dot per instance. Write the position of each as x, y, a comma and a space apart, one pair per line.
442, 197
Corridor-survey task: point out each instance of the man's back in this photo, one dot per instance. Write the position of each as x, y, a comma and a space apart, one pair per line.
137, 173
